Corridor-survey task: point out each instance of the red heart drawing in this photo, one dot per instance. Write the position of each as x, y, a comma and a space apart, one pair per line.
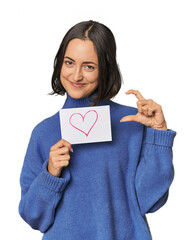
83, 118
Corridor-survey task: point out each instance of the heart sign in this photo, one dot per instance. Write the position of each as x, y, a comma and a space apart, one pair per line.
84, 123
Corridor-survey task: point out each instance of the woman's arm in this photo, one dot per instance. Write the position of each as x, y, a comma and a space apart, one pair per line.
155, 171
40, 191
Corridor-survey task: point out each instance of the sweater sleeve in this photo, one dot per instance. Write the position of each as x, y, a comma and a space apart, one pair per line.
155, 170
40, 191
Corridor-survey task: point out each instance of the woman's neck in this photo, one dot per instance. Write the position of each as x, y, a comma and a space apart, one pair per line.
81, 102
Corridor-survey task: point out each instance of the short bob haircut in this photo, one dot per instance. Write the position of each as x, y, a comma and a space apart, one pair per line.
109, 78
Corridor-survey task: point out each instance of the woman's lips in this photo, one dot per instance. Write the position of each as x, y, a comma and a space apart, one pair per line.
77, 85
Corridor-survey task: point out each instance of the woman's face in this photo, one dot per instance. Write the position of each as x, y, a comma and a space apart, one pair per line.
79, 72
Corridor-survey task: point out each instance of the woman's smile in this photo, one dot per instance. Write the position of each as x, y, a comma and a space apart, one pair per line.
77, 85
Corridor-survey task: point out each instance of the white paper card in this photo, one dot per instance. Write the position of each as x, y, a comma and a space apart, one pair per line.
86, 124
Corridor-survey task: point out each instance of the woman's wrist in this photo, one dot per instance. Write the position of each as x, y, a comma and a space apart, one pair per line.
163, 127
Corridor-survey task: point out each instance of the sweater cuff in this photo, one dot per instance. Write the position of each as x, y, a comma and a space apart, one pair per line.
159, 137
54, 183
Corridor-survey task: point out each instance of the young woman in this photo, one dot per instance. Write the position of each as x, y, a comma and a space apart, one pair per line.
96, 191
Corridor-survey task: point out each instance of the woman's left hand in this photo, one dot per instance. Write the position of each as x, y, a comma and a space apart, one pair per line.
149, 112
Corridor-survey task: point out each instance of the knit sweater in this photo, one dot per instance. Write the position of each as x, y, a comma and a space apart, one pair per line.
107, 188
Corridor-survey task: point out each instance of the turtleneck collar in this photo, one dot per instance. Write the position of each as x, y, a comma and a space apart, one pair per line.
73, 102
82, 102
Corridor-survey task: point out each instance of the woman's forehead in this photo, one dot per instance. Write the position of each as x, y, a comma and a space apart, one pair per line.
81, 49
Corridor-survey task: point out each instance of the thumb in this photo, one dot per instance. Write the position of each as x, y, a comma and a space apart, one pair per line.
130, 118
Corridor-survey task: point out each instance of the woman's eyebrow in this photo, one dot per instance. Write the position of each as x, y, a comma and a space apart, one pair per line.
83, 62
90, 63
70, 59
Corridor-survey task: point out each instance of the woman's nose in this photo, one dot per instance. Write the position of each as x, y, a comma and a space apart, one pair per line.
77, 74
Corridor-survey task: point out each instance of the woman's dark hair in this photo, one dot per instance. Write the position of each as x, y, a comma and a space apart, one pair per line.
109, 79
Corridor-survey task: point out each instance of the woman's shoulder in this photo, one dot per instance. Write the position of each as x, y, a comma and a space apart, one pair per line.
48, 124
118, 111
125, 109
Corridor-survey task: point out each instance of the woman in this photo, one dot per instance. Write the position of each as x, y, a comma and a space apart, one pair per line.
97, 190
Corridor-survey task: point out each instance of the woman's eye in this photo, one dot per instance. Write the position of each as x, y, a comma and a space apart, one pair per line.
68, 63
89, 67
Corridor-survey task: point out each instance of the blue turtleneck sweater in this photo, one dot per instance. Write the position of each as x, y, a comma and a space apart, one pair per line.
108, 187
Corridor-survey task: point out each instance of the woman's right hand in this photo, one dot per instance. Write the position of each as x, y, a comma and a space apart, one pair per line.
59, 157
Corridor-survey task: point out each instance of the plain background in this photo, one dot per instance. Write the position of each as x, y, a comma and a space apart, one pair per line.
156, 55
